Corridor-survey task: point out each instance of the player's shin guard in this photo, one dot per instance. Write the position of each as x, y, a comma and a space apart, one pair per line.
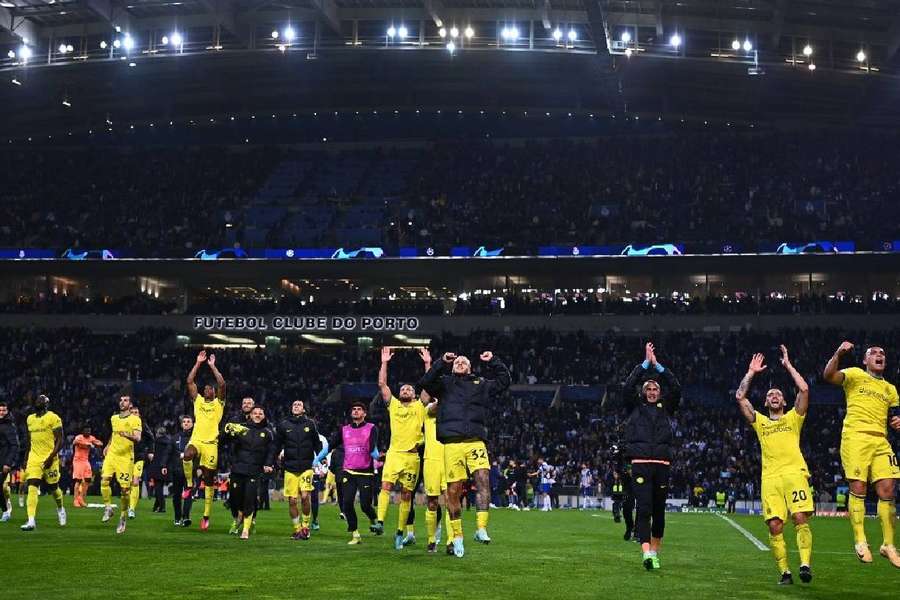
804, 543
58, 497
403, 515
448, 524
431, 520
384, 500
779, 551
456, 527
32, 501
887, 513
106, 492
481, 519
188, 473
208, 493
856, 506
123, 501
133, 497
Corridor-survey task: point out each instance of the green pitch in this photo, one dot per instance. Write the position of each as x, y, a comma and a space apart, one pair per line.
560, 555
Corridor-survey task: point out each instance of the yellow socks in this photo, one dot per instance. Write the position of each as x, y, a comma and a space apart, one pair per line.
106, 491
123, 501
481, 519
887, 513
248, 522
296, 522
188, 472
404, 514
31, 502
431, 524
133, 498
856, 506
411, 529
384, 500
448, 527
804, 543
58, 497
208, 501
304, 520
779, 551
456, 527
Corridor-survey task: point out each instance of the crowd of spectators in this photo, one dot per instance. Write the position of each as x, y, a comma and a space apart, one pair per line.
692, 187
549, 303
83, 374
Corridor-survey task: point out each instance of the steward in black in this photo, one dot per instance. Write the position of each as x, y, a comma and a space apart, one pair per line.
463, 398
9, 451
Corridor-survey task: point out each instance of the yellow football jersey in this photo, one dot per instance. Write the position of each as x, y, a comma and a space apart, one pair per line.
207, 416
868, 400
407, 420
120, 447
433, 448
40, 433
779, 442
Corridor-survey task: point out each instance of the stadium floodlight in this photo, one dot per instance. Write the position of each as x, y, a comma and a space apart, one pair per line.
807, 50
454, 32
289, 33
24, 52
675, 40
10, 54
629, 52
510, 33
625, 37
442, 32
176, 38
861, 56
274, 34
128, 42
165, 40
103, 45
392, 31
812, 66
573, 35
557, 34
451, 46
62, 48
736, 44
117, 43
16, 81
747, 46
470, 33
402, 31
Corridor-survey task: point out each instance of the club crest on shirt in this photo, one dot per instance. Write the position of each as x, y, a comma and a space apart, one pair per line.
306, 429
639, 480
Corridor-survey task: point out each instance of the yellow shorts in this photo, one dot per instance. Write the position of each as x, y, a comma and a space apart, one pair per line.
330, 480
118, 468
207, 454
402, 468
138, 469
34, 469
464, 458
786, 494
294, 483
868, 458
433, 474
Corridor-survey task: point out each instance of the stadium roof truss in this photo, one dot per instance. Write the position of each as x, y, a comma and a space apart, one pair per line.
842, 34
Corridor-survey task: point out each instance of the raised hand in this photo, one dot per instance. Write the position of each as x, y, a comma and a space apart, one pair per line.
649, 354
785, 359
486, 356
201, 357
212, 360
387, 353
425, 355
845, 347
756, 364
449, 357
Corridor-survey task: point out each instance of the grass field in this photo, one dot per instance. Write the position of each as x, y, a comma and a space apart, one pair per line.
560, 555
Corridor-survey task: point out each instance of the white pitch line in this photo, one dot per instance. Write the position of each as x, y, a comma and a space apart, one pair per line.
759, 545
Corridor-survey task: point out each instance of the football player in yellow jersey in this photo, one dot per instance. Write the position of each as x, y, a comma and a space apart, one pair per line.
435, 481
118, 460
401, 464
44, 430
785, 476
204, 443
866, 453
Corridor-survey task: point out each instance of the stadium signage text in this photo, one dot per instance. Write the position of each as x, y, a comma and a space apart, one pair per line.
295, 323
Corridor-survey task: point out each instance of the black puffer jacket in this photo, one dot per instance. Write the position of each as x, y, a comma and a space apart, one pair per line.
254, 447
648, 431
463, 400
299, 438
9, 443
